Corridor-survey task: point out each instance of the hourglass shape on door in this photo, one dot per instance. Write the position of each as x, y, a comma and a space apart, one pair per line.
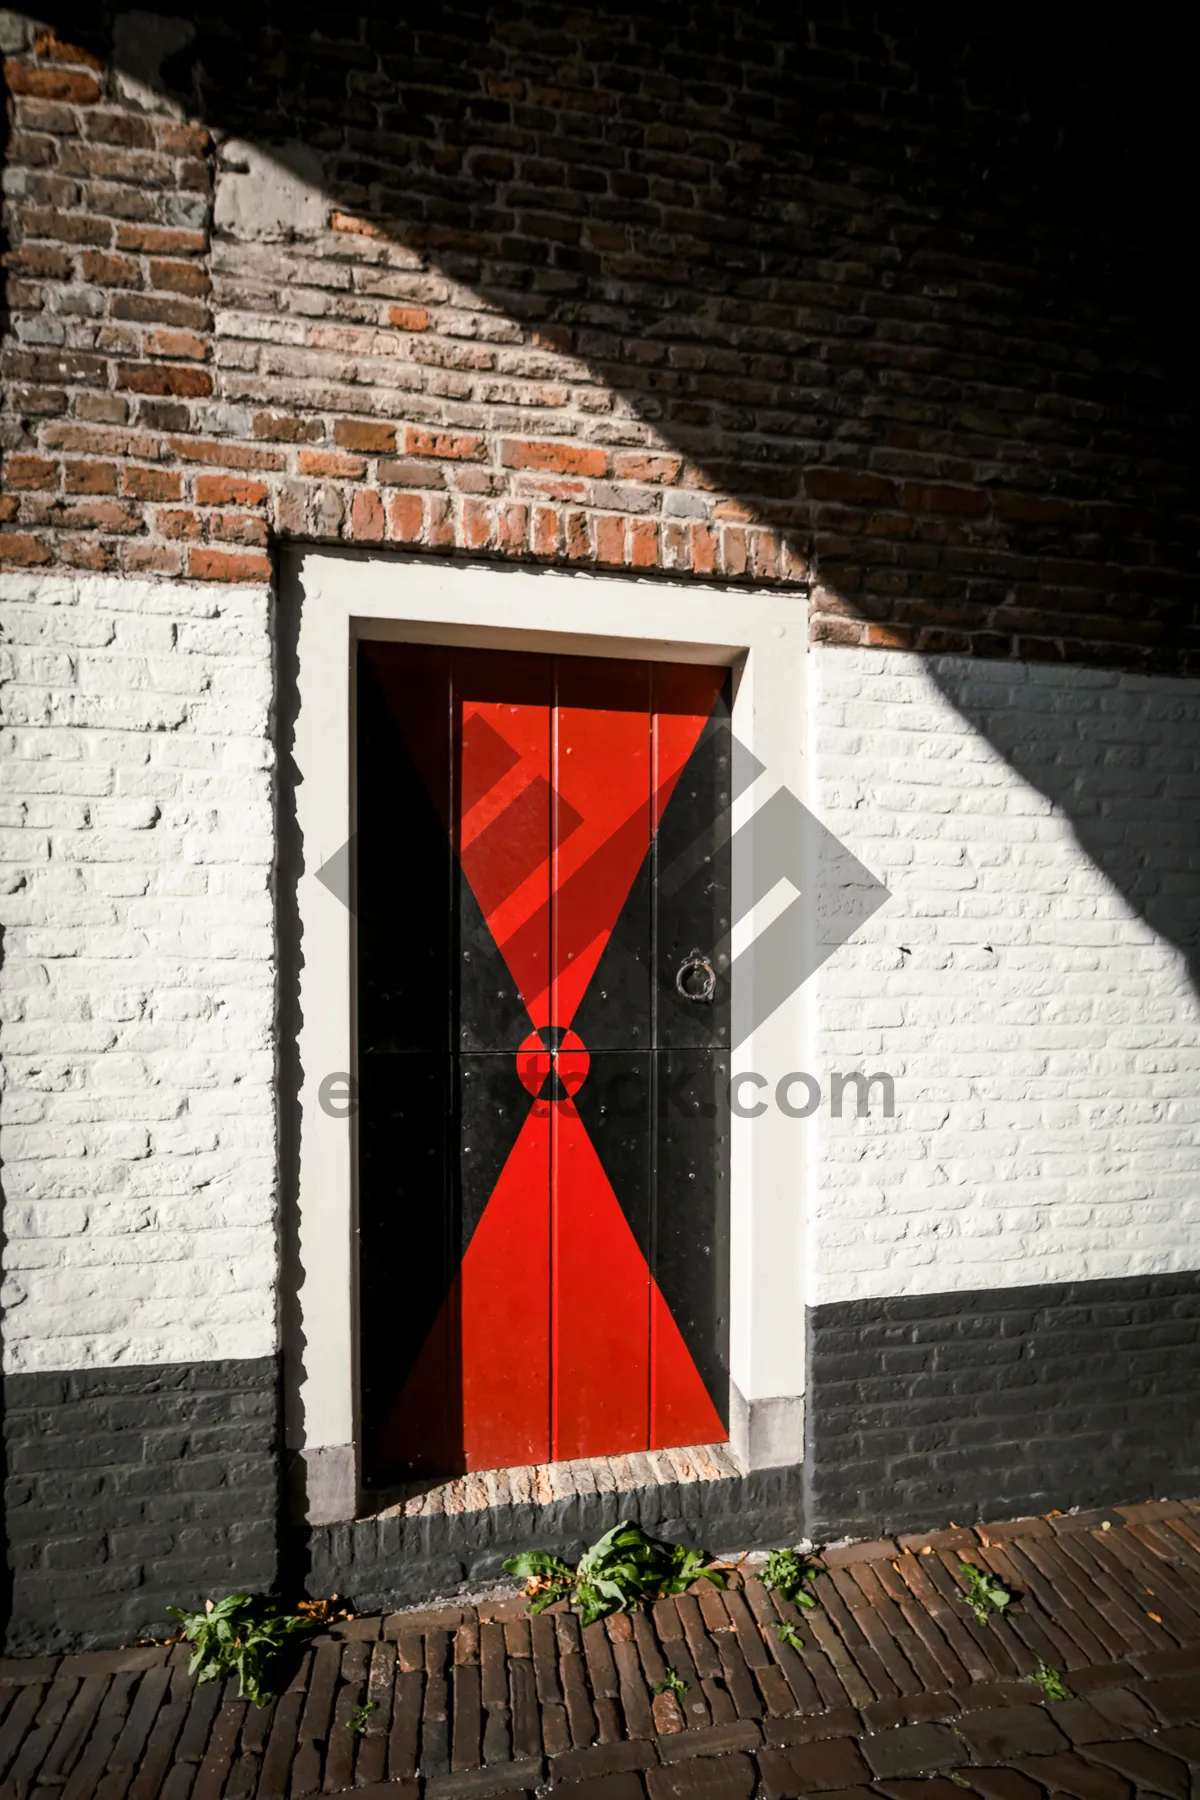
543, 912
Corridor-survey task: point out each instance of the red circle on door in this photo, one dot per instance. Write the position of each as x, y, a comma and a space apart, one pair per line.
536, 1064
572, 1062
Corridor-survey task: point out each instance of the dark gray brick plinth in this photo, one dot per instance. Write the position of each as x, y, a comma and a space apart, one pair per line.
984, 1405
133, 1489
386, 1562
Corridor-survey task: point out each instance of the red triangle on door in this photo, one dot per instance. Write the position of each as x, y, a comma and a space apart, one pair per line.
681, 1408
478, 1395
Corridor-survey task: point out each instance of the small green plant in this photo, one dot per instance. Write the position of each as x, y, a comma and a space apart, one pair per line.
244, 1635
986, 1594
787, 1634
360, 1718
786, 1573
547, 1578
1050, 1681
622, 1570
671, 1683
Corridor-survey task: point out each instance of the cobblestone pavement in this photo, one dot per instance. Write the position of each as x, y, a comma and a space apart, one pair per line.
895, 1692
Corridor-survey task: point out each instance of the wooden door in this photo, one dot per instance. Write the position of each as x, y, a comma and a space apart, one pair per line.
543, 906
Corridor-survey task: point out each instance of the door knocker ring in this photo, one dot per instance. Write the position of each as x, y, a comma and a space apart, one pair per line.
700, 992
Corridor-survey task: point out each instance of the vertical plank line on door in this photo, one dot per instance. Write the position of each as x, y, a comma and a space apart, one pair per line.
452, 1211
653, 1064
553, 1196
356, 1360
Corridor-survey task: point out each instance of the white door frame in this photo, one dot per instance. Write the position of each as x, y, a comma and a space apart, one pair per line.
342, 595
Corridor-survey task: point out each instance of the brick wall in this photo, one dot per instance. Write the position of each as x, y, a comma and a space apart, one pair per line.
1030, 985
995, 1404
133, 1489
137, 999
706, 291
701, 292
138, 975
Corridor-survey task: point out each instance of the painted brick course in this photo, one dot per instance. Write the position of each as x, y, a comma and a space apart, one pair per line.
558, 285
1027, 997
932, 1407
129, 1490
1030, 985
139, 968
393, 1560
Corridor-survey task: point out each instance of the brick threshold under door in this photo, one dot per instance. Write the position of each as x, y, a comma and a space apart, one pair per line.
542, 1483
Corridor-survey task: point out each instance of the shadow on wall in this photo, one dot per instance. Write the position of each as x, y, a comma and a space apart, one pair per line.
1118, 756
297, 1483
800, 255
6, 1573
831, 268
911, 291
916, 291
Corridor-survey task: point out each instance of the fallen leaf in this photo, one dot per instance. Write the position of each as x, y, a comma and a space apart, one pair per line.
928, 1550
1155, 1617
1106, 1524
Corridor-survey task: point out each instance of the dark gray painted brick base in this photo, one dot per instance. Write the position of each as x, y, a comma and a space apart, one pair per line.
383, 1563
129, 1490
989, 1405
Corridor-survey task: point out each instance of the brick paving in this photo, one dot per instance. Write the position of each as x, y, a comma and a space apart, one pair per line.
895, 1691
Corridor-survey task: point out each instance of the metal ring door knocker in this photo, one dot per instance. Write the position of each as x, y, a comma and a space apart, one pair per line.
696, 980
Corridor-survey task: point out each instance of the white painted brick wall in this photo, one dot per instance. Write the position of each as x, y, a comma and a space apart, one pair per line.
137, 987
1044, 1038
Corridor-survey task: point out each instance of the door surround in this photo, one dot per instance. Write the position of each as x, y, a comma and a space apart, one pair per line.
329, 598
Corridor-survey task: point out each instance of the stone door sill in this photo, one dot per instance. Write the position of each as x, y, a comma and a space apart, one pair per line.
542, 1483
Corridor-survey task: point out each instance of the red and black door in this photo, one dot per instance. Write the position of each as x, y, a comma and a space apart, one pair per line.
542, 887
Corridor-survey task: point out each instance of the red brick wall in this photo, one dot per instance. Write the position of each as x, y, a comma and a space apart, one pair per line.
661, 289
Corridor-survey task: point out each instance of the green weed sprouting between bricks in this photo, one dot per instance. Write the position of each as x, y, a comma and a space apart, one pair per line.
671, 1683
622, 1570
244, 1635
360, 1718
787, 1634
786, 1573
1050, 1681
986, 1594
